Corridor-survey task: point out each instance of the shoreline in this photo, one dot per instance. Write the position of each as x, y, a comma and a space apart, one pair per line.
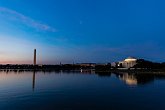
160, 71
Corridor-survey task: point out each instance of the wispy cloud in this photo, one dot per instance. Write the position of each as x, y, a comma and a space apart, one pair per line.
14, 15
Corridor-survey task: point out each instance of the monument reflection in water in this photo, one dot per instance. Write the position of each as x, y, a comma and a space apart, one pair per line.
37, 90
134, 79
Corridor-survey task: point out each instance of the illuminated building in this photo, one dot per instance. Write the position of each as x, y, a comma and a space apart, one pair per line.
128, 62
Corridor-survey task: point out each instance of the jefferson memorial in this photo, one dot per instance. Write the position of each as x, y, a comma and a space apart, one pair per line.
128, 62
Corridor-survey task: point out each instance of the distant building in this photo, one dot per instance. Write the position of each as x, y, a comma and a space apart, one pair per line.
114, 64
86, 64
128, 62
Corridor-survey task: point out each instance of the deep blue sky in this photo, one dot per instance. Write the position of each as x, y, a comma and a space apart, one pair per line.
81, 30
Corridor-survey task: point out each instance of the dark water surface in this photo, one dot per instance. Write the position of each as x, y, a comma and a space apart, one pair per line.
81, 91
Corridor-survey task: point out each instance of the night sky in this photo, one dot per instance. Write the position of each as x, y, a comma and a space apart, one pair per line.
68, 31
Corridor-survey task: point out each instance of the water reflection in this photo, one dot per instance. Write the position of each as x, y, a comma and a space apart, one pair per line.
131, 79
134, 79
103, 74
33, 83
75, 90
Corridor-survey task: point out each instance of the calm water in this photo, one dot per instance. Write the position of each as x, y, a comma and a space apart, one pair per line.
81, 91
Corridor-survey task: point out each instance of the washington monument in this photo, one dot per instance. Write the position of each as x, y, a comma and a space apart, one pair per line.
34, 63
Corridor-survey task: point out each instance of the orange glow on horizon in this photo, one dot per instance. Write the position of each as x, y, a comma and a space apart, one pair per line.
15, 62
